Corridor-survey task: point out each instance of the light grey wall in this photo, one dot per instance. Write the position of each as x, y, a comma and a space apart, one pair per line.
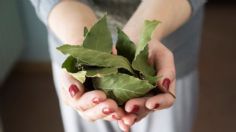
36, 47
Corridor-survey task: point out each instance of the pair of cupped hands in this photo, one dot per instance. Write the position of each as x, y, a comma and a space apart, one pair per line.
95, 105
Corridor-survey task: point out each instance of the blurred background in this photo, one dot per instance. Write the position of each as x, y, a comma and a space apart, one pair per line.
28, 102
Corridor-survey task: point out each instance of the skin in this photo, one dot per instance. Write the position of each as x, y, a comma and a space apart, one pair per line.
68, 19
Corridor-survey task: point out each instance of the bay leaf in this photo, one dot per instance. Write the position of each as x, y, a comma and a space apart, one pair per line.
100, 72
123, 86
85, 31
70, 64
99, 37
80, 76
96, 58
145, 37
152, 79
140, 63
125, 47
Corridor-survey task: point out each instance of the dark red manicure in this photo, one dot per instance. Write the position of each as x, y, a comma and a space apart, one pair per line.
96, 100
135, 109
107, 111
156, 106
166, 84
73, 89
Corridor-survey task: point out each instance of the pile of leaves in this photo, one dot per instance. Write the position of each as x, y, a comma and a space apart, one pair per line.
123, 76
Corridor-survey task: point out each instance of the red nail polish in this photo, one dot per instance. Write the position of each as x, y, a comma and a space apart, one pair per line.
166, 84
96, 100
156, 106
107, 111
73, 89
135, 109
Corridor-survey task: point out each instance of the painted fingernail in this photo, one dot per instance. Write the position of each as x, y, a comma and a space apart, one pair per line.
73, 89
107, 111
115, 117
96, 100
156, 106
135, 109
166, 84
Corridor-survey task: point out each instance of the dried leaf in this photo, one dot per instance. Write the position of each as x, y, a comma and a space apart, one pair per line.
96, 58
70, 64
85, 31
80, 76
140, 63
99, 37
123, 87
125, 47
100, 72
149, 27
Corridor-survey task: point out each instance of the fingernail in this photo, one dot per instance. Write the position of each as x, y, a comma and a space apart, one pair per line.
96, 100
135, 109
156, 106
73, 89
107, 111
126, 122
166, 84
116, 117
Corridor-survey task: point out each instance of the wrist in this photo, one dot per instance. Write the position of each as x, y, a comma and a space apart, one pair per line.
68, 19
172, 15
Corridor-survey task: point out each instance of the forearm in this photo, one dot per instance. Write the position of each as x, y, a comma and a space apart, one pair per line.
171, 13
68, 19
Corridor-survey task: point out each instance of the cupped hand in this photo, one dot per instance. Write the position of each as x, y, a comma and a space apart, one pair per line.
91, 105
163, 60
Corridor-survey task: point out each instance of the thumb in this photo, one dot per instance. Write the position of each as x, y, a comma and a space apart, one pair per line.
163, 59
73, 88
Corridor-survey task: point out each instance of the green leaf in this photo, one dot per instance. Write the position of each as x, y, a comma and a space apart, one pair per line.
141, 64
100, 72
96, 58
123, 87
70, 64
149, 27
99, 37
85, 31
152, 79
125, 47
80, 76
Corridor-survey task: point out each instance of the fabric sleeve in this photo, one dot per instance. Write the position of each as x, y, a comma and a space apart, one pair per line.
196, 5
43, 8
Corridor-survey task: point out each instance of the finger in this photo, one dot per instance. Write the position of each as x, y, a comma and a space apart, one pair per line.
101, 110
117, 115
122, 126
73, 87
137, 106
64, 96
163, 59
90, 99
114, 51
129, 119
160, 101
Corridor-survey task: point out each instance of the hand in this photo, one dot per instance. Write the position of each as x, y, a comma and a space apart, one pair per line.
92, 105
163, 60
